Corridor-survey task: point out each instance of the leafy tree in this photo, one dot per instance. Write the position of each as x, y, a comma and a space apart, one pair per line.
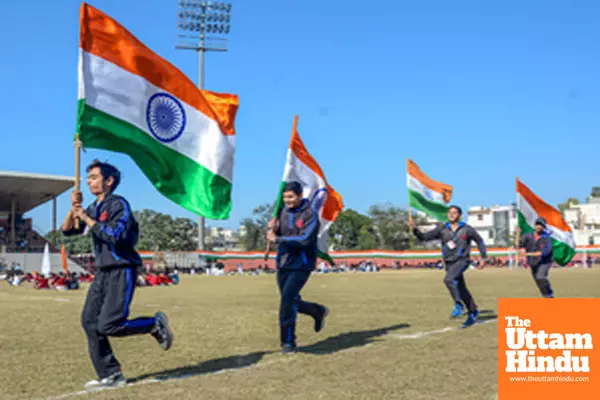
367, 238
346, 231
256, 228
79, 244
158, 232
391, 224
161, 232
563, 206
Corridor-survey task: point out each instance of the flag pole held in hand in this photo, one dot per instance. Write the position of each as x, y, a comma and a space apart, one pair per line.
77, 169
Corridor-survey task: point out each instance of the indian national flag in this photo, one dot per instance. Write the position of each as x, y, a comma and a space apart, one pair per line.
425, 194
530, 207
301, 167
134, 102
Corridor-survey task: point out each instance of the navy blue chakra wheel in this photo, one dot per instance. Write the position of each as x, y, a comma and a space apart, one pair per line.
165, 117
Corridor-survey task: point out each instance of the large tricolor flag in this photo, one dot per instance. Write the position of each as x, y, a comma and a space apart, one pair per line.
134, 102
425, 194
301, 167
530, 207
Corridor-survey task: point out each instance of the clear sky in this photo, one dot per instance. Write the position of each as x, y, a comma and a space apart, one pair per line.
476, 92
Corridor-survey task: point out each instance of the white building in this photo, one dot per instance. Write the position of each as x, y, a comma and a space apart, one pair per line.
584, 219
495, 224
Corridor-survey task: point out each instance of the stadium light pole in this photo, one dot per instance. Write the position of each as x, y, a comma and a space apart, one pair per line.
196, 19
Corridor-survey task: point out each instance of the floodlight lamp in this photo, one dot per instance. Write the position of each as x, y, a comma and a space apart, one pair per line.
227, 29
227, 17
221, 29
216, 5
222, 6
228, 8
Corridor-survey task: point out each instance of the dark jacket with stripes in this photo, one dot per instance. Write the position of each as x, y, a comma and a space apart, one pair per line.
297, 237
542, 244
456, 245
115, 232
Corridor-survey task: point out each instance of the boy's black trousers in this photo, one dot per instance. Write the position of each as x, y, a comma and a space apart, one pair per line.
105, 314
291, 282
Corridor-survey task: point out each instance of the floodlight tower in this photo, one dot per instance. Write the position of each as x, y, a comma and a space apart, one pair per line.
196, 19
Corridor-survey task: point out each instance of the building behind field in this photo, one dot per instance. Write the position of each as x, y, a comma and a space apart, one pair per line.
584, 219
20, 242
495, 224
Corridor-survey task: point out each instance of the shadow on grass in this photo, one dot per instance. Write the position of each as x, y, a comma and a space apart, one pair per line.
348, 340
205, 367
486, 317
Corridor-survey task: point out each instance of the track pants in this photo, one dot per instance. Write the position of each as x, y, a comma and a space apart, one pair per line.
290, 284
455, 282
540, 275
105, 314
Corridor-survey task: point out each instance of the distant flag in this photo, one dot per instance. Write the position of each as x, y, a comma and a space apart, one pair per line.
132, 101
425, 194
63, 253
301, 167
46, 261
530, 207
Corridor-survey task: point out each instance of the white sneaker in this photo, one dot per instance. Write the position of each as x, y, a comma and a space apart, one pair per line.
114, 381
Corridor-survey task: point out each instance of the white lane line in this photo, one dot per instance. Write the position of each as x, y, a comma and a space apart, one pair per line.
420, 335
282, 359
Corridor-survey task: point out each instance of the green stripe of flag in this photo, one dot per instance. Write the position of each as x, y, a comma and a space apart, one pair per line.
435, 210
176, 176
562, 252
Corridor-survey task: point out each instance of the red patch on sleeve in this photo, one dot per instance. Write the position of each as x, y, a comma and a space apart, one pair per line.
103, 216
300, 223
464, 237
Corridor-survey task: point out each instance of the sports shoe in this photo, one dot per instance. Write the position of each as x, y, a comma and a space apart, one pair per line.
116, 380
320, 321
471, 319
458, 310
162, 333
288, 348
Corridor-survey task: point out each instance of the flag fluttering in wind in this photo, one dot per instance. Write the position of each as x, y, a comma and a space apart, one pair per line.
301, 167
530, 207
63, 255
132, 101
425, 194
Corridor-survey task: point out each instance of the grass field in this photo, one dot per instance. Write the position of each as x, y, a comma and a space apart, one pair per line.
226, 344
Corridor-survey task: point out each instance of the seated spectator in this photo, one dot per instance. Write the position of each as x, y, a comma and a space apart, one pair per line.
61, 283
152, 279
175, 277
164, 279
141, 280
41, 282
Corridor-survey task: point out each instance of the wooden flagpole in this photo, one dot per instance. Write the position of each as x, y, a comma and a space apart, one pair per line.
77, 169
517, 234
268, 249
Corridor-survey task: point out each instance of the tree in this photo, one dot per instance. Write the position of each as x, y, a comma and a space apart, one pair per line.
346, 231
563, 206
160, 232
256, 228
391, 224
367, 238
78, 244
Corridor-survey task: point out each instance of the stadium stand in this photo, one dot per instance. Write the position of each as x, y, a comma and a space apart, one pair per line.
20, 243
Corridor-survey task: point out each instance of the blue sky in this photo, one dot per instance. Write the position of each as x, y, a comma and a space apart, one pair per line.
475, 92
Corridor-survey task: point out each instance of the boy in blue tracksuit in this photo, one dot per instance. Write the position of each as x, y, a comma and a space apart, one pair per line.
295, 231
115, 232
456, 237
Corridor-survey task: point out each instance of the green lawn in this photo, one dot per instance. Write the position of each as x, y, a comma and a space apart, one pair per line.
226, 339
